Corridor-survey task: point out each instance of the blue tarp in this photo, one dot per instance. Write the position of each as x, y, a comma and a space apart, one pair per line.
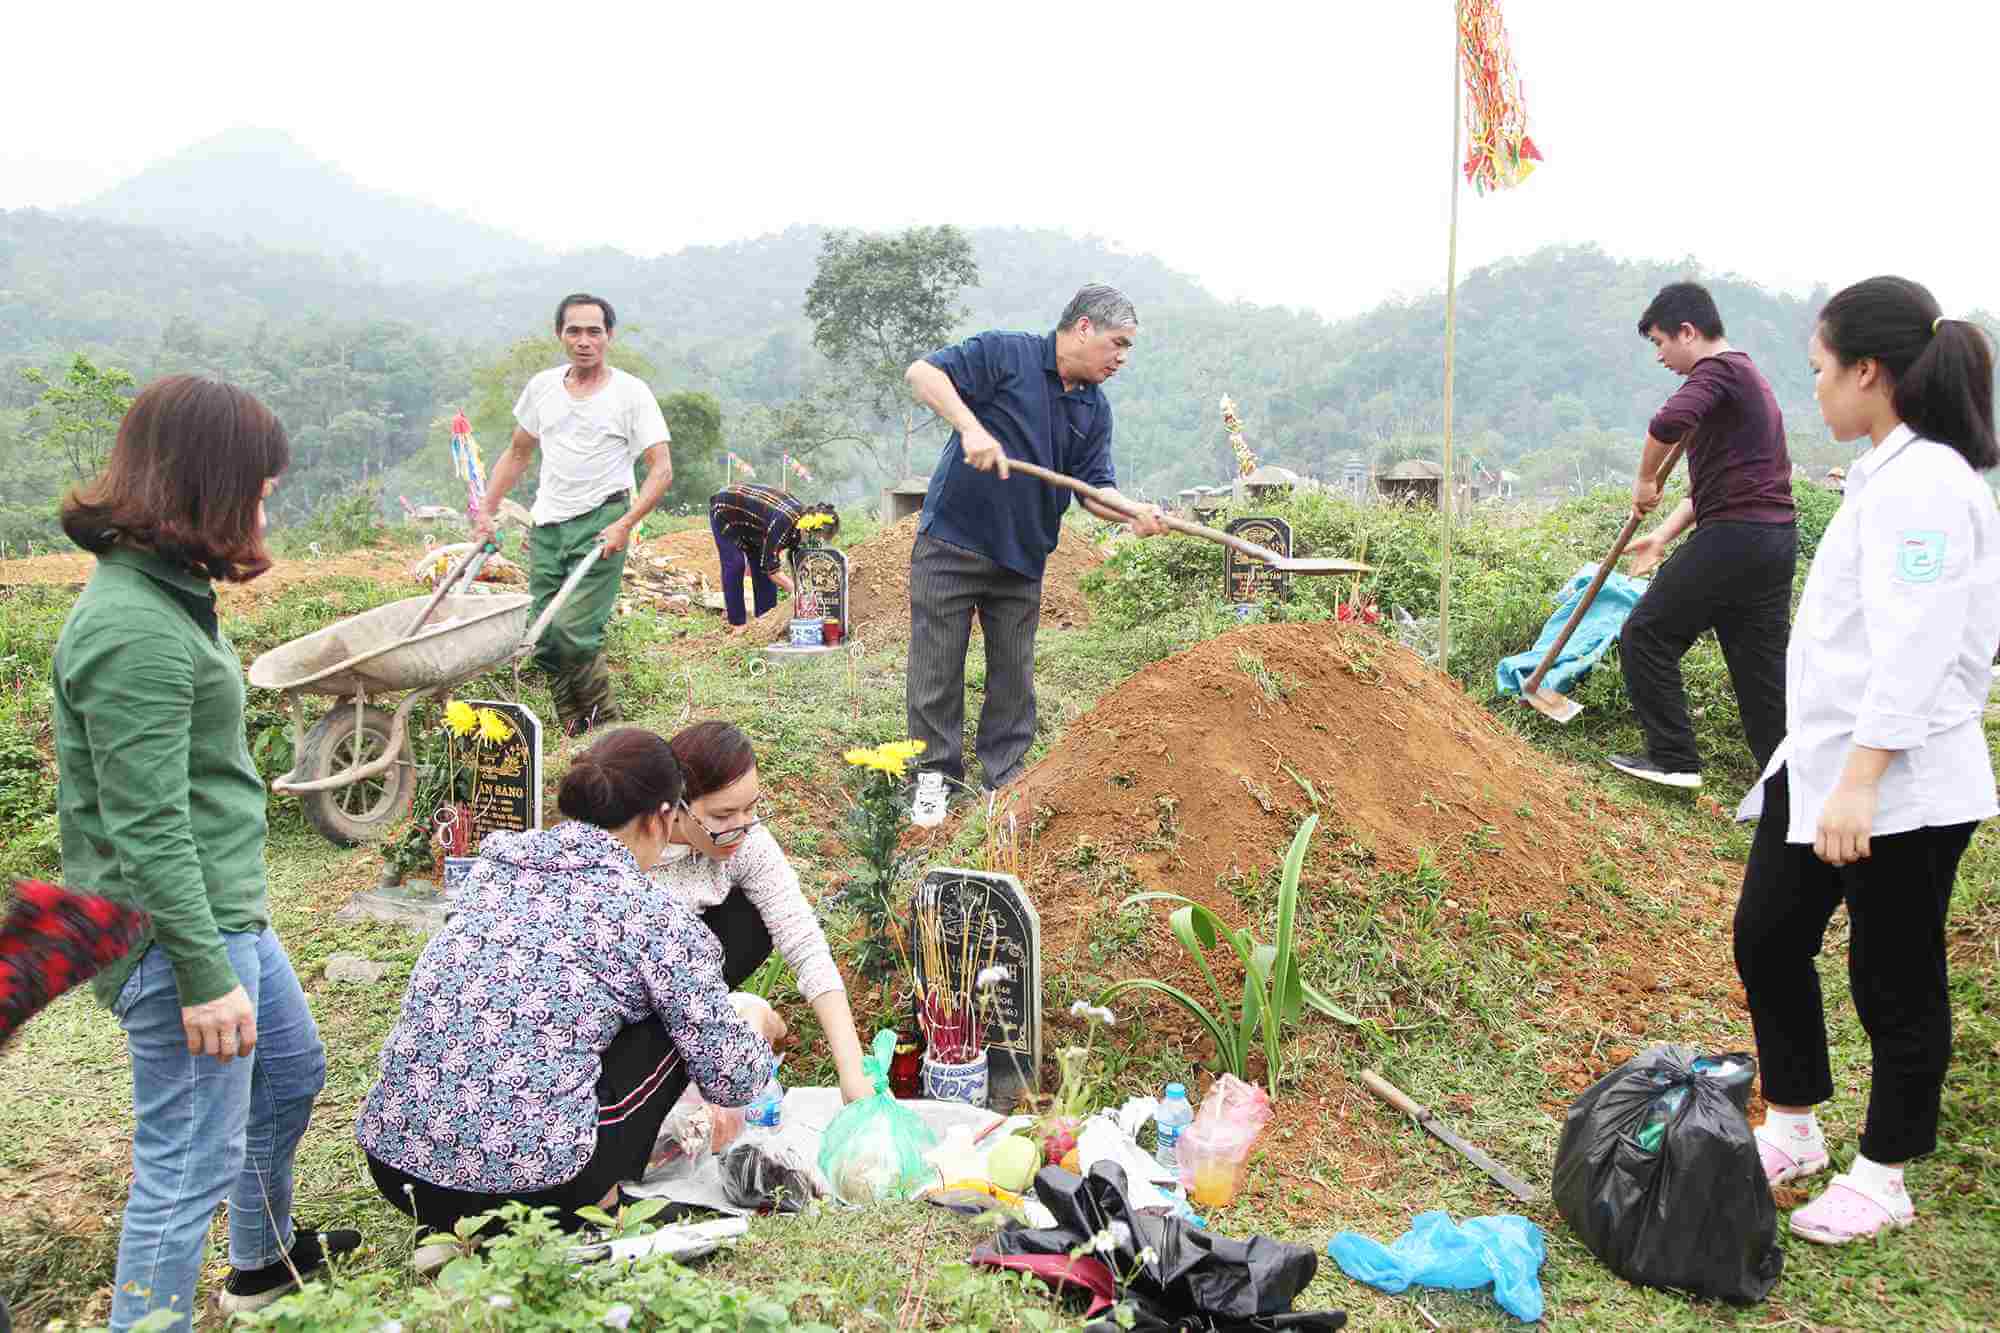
1594, 635
1505, 1250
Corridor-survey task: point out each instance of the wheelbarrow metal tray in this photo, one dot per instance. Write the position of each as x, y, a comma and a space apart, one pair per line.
466, 635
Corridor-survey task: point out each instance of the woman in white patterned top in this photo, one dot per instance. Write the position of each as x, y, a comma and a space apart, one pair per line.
726, 866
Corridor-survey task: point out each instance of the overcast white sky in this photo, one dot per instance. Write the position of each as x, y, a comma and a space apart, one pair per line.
1282, 153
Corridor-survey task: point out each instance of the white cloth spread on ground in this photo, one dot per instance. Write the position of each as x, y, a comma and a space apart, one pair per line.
772, 886
588, 444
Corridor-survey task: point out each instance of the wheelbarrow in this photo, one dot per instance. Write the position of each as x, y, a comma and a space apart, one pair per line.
353, 770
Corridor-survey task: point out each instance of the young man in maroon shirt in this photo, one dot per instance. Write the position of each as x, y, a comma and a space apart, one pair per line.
1734, 575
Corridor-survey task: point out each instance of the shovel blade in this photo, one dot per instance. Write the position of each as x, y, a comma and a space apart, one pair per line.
1304, 565
1555, 707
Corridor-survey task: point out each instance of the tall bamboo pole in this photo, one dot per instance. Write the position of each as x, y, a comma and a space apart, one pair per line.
1445, 492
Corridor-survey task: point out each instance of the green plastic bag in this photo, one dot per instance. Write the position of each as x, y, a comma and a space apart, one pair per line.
874, 1149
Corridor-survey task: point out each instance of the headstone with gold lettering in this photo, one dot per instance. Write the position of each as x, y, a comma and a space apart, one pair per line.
506, 772
1009, 932
1247, 580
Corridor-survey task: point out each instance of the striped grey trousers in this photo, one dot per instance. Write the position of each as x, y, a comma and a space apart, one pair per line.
947, 584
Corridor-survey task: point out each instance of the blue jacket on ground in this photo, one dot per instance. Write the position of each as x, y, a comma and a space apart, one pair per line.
1593, 638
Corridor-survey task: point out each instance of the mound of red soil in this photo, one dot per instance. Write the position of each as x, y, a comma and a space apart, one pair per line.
1195, 772
878, 584
388, 565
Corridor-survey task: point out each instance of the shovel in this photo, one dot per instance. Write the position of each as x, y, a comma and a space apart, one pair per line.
1283, 564
1560, 707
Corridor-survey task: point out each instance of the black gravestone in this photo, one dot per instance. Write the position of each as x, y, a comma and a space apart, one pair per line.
1000, 913
506, 774
1245, 579
820, 576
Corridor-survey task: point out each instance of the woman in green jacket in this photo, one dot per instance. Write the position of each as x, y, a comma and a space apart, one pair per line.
161, 808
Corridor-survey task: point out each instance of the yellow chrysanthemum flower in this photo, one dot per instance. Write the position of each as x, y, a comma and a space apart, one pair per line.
860, 758
460, 717
814, 522
493, 728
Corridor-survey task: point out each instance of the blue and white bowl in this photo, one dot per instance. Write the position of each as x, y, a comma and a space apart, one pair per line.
965, 1083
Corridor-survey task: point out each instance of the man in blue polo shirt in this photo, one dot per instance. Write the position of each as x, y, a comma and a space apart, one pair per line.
984, 539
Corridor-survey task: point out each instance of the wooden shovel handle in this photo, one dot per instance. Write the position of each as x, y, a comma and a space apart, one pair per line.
1124, 506
1625, 535
1391, 1094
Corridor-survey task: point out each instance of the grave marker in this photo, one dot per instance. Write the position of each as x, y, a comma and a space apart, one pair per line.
1014, 1022
819, 574
1246, 580
506, 774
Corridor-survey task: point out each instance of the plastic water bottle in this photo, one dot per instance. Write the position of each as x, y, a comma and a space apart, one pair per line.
1173, 1116
767, 1108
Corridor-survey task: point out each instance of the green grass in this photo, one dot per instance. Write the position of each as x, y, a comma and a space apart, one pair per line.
1466, 1012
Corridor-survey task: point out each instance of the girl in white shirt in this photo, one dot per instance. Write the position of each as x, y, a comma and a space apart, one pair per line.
724, 863
1884, 772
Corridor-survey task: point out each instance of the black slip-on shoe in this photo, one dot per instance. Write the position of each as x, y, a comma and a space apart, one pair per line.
253, 1288
1645, 767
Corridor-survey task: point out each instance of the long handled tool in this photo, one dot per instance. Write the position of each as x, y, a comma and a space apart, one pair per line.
466, 570
1283, 564
1397, 1098
1558, 707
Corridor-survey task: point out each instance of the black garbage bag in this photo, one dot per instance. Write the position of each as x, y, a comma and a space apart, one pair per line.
1195, 1282
764, 1180
1659, 1177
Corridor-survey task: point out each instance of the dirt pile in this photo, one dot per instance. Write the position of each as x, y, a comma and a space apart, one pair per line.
1443, 835
878, 584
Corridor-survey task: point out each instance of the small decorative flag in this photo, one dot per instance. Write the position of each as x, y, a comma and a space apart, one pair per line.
735, 462
465, 462
798, 467
1499, 154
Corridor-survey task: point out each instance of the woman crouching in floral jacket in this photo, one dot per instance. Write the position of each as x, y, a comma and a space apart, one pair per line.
551, 1025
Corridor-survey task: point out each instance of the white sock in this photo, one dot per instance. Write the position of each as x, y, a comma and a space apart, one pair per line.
1790, 1130
1884, 1182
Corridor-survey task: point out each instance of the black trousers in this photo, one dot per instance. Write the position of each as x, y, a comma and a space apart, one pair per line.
642, 1076
1733, 578
947, 584
1896, 903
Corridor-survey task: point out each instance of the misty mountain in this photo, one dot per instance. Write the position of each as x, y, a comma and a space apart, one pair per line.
262, 186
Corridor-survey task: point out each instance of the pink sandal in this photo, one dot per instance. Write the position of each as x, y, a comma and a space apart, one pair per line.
1848, 1213
1783, 1163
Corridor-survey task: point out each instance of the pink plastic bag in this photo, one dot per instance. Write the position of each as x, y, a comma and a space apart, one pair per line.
1214, 1151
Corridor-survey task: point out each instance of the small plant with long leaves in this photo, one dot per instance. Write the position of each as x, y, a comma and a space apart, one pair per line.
1274, 993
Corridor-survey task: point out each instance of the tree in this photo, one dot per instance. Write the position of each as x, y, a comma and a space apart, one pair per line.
695, 421
879, 302
79, 417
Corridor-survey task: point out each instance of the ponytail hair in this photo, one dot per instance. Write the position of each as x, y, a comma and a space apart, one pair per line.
631, 772
1941, 370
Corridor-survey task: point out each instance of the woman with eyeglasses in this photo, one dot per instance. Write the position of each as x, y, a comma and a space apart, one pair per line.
723, 862
552, 1023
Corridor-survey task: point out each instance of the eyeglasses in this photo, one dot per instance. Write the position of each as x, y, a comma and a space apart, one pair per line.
728, 837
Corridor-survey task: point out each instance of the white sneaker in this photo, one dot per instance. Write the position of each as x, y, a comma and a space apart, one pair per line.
928, 806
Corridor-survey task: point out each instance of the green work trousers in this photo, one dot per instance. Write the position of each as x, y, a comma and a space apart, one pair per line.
571, 649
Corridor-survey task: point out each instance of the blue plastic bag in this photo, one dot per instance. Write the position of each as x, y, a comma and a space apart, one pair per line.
1505, 1250
1594, 635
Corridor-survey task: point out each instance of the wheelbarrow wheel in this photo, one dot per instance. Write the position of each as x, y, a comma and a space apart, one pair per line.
363, 811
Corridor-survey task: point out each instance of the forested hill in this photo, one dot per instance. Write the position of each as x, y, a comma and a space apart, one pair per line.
262, 186
1553, 379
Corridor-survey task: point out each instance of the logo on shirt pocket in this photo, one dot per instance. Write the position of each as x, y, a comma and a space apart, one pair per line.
1920, 556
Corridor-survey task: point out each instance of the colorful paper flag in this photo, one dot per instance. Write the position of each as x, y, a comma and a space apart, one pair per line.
735, 462
466, 463
1499, 154
798, 467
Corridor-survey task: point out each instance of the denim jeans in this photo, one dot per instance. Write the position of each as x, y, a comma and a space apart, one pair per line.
209, 1131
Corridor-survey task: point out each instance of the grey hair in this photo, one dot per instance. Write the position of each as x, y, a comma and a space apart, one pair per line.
1104, 306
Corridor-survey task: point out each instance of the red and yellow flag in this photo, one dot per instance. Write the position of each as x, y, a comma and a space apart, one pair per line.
1499, 154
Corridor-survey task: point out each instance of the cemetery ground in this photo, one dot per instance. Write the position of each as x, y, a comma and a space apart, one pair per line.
1509, 919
